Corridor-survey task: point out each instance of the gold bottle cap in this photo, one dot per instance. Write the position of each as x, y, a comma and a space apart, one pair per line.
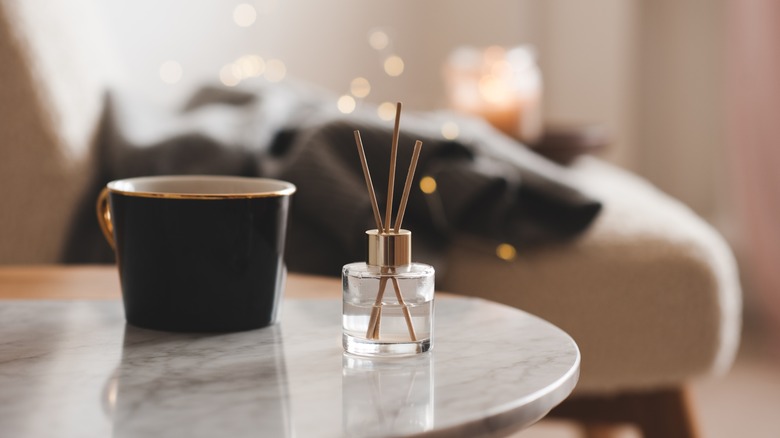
389, 249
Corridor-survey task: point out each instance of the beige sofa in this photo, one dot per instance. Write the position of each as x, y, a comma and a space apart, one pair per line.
650, 292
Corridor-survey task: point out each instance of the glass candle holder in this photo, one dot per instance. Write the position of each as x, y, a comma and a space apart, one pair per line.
503, 86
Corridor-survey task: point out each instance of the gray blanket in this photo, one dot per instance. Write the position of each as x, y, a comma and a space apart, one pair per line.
487, 184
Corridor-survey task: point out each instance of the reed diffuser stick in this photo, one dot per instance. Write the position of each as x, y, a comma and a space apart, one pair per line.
369, 183
408, 185
404, 309
391, 178
376, 311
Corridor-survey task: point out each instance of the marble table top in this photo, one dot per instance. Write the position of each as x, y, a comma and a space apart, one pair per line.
74, 368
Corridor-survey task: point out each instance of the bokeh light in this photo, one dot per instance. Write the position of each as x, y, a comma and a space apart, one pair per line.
386, 111
427, 185
378, 40
275, 70
244, 15
171, 72
506, 252
450, 130
249, 66
394, 65
360, 87
227, 76
346, 104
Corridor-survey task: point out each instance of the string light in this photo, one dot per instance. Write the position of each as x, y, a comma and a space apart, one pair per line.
506, 252
394, 65
249, 66
386, 111
427, 185
450, 130
378, 40
360, 87
227, 76
346, 104
244, 15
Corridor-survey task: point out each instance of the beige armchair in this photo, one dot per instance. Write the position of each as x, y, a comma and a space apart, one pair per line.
650, 292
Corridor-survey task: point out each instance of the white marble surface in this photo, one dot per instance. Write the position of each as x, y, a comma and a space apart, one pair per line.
73, 368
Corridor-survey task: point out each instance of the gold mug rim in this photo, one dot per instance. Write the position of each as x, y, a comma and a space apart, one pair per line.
288, 190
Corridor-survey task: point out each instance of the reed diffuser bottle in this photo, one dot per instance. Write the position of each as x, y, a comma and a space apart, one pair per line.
388, 300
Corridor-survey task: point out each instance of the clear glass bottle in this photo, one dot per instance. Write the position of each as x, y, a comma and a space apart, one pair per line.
388, 300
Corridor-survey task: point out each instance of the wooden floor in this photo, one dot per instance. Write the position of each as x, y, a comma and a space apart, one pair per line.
745, 403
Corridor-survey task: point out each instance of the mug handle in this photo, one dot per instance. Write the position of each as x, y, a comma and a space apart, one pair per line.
104, 217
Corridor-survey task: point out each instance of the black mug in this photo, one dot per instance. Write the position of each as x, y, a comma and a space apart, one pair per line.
198, 253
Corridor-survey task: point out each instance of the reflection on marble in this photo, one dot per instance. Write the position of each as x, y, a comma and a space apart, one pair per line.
219, 385
74, 369
387, 396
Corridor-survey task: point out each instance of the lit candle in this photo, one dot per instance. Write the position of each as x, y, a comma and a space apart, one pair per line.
502, 86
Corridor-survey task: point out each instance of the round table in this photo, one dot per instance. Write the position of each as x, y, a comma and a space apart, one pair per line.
78, 366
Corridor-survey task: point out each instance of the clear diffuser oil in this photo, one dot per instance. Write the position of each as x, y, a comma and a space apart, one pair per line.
387, 325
